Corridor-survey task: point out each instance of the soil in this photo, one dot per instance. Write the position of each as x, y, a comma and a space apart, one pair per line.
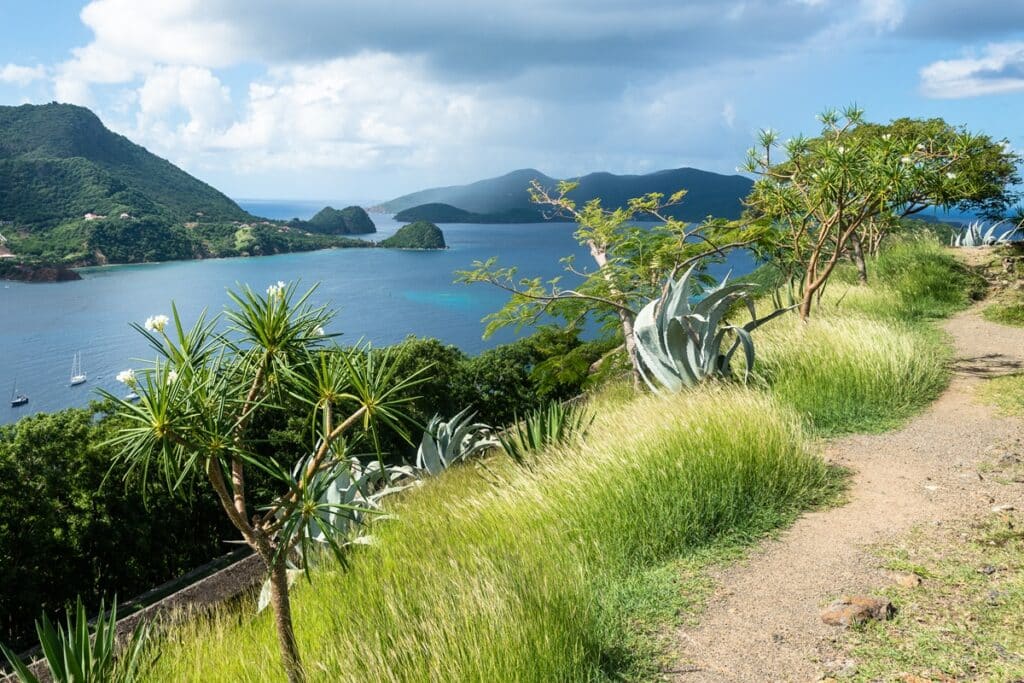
764, 622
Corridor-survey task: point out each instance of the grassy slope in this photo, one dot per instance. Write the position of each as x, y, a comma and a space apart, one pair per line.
558, 573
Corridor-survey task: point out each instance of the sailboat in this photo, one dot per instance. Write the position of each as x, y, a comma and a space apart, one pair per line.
16, 398
78, 375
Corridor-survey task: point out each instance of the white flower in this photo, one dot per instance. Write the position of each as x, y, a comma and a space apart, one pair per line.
841, 149
278, 289
172, 376
887, 136
951, 175
157, 323
920, 147
319, 331
906, 160
126, 377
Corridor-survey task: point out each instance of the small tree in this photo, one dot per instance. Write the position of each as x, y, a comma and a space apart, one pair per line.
830, 194
196, 404
630, 263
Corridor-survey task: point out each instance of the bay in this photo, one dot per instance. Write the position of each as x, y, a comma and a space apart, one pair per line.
381, 296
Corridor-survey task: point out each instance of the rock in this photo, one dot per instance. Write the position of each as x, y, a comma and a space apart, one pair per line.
1003, 508
856, 609
907, 579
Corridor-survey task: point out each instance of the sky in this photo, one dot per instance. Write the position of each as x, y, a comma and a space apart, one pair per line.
369, 99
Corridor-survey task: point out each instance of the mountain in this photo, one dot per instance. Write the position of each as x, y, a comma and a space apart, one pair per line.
59, 162
711, 194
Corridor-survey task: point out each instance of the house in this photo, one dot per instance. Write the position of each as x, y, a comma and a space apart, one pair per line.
93, 216
125, 216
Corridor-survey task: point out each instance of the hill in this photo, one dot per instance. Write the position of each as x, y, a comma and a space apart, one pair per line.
709, 193
418, 235
352, 220
59, 162
74, 193
446, 213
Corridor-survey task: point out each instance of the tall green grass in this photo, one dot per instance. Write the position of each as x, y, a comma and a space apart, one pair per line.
482, 582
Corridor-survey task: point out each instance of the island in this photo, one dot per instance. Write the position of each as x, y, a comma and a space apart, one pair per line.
418, 235
352, 220
439, 212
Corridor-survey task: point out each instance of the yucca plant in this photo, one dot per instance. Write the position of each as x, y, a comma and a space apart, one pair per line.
77, 654
682, 344
555, 423
446, 443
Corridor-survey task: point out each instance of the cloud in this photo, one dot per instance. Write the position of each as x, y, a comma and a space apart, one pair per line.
18, 74
959, 20
999, 69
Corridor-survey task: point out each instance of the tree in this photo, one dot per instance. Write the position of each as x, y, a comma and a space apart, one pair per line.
193, 421
830, 193
630, 263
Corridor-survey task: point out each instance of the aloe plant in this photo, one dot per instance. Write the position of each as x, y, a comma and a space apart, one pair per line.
445, 443
76, 654
556, 423
681, 344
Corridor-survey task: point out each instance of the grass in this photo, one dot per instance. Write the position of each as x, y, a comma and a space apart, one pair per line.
569, 571
963, 621
869, 358
1005, 313
1005, 392
546, 576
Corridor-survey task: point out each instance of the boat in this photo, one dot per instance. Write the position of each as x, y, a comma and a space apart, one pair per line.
131, 397
78, 375
16, 398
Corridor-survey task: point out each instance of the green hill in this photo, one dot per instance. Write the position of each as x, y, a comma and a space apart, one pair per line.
418, 235
446, 213
497, 198
352, 220
74, 193
59, 162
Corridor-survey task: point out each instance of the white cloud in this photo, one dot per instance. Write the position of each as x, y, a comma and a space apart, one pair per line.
18, 74
729, 114
999, 69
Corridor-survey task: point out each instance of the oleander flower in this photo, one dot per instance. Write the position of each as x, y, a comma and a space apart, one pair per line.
172, 376
126, 377
157, 323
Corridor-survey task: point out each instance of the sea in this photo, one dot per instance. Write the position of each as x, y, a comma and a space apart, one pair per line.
381, 296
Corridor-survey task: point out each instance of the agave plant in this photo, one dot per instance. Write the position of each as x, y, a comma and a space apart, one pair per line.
973, 236
681, 344
445, 443
556, 423
76, 654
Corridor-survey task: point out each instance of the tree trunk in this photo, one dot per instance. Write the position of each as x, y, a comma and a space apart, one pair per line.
600, 256
858, 259
280, 603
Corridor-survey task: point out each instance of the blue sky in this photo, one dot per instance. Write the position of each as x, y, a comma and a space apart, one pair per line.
367, 99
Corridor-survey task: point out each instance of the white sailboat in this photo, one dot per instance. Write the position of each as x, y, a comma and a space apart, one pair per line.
78, 375
17, 399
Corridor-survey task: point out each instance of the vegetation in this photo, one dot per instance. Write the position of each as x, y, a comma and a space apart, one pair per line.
631, 262
76, 652
1006, 392
352, 220
418, 235
555, 425
78, 531
507, 199
831, 194
445, 443
1005, 313
531, 566
963, 621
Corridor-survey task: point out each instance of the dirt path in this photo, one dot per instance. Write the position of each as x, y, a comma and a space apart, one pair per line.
763, 624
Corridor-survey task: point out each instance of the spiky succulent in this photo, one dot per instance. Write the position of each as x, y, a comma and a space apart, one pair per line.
555, 423
681, 344
445, 443
972, 235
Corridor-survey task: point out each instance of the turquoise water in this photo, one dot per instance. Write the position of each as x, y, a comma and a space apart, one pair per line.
380, 295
